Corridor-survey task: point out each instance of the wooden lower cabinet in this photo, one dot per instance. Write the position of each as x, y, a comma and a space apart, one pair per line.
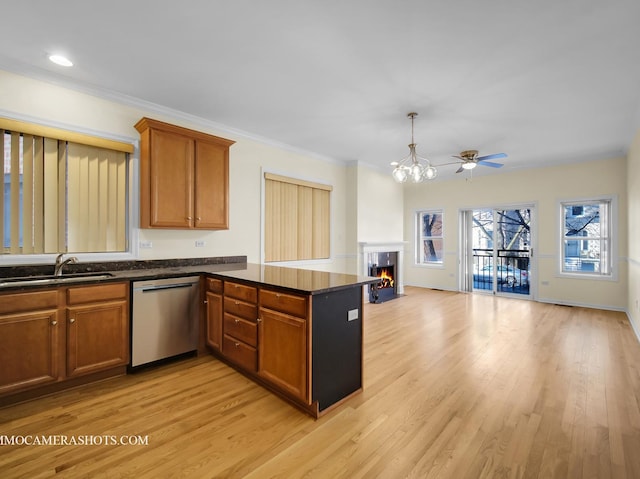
213, 312
214, 320
283, 352
263, 332
54, 335
29, 350
97, 328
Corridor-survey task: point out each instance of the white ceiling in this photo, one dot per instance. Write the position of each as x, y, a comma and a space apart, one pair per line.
544, 81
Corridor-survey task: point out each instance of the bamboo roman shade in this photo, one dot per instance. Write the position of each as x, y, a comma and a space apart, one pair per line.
297, 219
61, 195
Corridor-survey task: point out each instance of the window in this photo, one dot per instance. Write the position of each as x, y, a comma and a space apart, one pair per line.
62, 191
297, 219
430, 237
586, 237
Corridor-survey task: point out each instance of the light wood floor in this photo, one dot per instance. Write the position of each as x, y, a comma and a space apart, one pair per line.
456, 386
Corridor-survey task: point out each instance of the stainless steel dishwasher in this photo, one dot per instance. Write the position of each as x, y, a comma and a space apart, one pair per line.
164, 318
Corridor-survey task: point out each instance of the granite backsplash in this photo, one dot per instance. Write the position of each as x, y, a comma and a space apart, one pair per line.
81, 267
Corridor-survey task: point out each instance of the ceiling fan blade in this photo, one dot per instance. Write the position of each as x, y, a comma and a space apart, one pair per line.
490, 163
459, 170
495, 156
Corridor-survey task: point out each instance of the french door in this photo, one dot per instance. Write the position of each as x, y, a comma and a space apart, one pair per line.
496, 251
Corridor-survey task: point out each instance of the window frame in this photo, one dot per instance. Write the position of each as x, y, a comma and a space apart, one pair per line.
75, 133
610, 235
420, 238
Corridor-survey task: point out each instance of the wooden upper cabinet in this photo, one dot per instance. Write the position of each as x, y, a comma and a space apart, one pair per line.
211, 205
184, 177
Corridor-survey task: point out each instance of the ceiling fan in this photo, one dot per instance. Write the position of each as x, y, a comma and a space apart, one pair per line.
470, 160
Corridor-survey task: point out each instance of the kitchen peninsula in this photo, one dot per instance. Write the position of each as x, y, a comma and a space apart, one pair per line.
296, 332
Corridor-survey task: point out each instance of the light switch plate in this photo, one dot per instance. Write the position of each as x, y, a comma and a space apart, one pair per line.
352, 315
146, 244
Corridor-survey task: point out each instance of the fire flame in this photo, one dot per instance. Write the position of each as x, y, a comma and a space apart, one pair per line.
387, 279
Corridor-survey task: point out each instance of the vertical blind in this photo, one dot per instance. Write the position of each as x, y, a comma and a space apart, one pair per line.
62, 196
297, 219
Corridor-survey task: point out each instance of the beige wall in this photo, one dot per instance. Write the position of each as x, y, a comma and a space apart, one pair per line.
542, 188
633, 192
27, 98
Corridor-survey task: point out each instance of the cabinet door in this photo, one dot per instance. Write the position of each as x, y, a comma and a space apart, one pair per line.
171, 184
211, 186
29, 350
282, 346
214, 320
97, 337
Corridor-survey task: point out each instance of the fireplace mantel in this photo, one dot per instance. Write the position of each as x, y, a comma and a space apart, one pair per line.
367, 247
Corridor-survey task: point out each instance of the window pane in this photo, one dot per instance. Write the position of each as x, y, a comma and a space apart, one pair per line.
432, 250
432, 224
583, 220
582, 256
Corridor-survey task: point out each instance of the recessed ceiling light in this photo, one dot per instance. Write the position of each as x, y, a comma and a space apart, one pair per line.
60, 60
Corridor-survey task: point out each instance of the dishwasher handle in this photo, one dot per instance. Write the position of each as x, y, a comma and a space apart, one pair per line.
151, 289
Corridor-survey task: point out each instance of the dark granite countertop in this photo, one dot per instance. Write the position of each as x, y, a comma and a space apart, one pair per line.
294, 279
235, 268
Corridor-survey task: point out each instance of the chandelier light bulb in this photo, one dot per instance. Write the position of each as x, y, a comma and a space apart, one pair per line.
399, 174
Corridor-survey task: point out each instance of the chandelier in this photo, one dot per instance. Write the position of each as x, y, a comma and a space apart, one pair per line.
413, 167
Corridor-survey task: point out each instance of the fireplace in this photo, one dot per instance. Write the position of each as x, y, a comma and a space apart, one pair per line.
383, 254
383, 265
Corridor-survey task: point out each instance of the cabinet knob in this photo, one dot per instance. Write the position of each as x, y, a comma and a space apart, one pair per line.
189, 218
54, 322
72, 320
237, 303
198, 218
258, 320
205, 301
237, 345
236, 321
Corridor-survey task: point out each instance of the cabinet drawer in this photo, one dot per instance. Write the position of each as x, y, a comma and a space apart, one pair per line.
214, 285
240, 308
19, 302
92, 294
240, 291
285, 303
240, 353
241, 329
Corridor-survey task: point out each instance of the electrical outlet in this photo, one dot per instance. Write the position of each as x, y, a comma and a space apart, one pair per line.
200, 243
352, 315
146, 244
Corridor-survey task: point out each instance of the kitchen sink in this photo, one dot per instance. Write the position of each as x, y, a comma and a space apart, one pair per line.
50, 279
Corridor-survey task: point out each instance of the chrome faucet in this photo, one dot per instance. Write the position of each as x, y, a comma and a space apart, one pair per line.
60, 264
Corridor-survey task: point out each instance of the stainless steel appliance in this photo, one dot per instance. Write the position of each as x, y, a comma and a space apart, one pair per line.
164, 318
